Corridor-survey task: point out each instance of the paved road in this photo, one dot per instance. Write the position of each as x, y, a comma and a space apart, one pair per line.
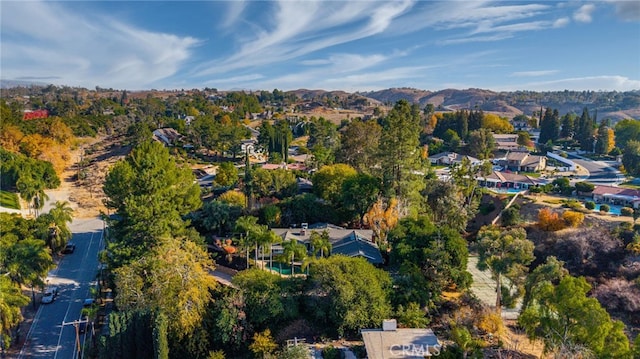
599, 172
48, 337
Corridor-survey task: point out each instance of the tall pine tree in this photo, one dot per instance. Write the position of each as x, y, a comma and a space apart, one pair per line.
585, 131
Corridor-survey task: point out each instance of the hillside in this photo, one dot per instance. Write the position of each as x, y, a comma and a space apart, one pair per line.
613, 105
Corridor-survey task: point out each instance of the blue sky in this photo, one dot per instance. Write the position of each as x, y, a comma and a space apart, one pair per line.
331, 45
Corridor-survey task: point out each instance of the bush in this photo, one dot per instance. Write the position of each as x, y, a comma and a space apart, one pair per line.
510, 216
549, 220
626, 211
573, 204
572, 219
590, 205
605, 208
330, 352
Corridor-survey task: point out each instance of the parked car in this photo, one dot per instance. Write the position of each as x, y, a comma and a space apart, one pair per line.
49, 295
69, 248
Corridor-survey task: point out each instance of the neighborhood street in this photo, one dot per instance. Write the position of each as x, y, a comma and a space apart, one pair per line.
51, 335
600, 173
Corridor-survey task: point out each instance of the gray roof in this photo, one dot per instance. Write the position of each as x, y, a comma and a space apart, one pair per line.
400, 343
355, 246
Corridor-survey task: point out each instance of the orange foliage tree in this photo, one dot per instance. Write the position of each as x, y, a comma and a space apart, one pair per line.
549, 220
382, 217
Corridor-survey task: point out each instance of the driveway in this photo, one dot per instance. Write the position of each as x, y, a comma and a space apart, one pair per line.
484, 287
599, 172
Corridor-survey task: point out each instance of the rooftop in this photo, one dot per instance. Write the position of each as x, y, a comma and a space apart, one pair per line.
400, 343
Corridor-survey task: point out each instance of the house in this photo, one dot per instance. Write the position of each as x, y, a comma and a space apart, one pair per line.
506, 142
616, 195
168, 136
449, 158
248, 146
523, 161
35, 114
393, 342
506, 180
348, 242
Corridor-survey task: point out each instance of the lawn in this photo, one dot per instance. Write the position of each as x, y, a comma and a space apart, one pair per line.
631, 184
9, 200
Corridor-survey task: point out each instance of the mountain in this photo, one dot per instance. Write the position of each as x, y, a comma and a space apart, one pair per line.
612, 104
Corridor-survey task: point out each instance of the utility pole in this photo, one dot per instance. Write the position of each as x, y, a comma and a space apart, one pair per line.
76, 325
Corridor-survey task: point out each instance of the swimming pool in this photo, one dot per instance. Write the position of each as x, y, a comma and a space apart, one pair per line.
507, 190
613, 209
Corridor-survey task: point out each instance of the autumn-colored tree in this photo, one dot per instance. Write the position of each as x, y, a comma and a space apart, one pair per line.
572, 218
234, 198
549, 220
10, 138
381, 218
263, 344
496, 123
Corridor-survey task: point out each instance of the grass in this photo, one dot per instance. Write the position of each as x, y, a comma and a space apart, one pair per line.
9, 200
530, 174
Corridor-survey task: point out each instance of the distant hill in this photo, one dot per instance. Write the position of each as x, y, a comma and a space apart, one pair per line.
613, 105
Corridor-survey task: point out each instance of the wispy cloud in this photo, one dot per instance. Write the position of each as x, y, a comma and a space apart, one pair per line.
533, 73
561, 22
583, 14
45, 39
301, 28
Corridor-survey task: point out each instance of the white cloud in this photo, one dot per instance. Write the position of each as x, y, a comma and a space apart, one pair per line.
45, 39
561, 22
533, 73
300, 28
583, 14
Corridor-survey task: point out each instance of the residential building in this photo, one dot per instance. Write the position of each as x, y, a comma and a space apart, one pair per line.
506, 180
347, 242
393, 342
524, 161
506, 142
449, 158
168, 136
616, 195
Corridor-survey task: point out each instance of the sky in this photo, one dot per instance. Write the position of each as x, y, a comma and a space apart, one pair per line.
330, 45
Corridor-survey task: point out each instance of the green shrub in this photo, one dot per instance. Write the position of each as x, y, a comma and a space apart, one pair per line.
486, 208
590, 205
572, 203
626, 211
605, 208
330, 352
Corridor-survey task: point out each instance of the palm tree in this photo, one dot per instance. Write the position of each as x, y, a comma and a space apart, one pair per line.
320, 243
247, 225
11, 301
61, 214
28, 262
292, 250
271, 239
39, 200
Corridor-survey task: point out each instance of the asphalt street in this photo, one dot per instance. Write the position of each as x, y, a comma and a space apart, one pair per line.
52, 334
599, 172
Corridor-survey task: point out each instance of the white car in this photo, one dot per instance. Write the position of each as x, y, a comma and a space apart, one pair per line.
49, 295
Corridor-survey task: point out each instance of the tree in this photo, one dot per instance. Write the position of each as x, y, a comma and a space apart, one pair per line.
494, 123
412, 316
505, 253
568, 321
400, 157
567, 130
432, 257
320, 243
463, 339
151, 193
327, 181
247, 226
263, 344
605, 139
234, 198
585, 131
510, 216
358, 194
292, 250
11, 302
631, 158
226, 175
549, 126
481, 143
551, 271
381, 218
172, 278
524, 139
447, 204
584, 187
348, 294
61, 215
360, 140
264, 294
625, 131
